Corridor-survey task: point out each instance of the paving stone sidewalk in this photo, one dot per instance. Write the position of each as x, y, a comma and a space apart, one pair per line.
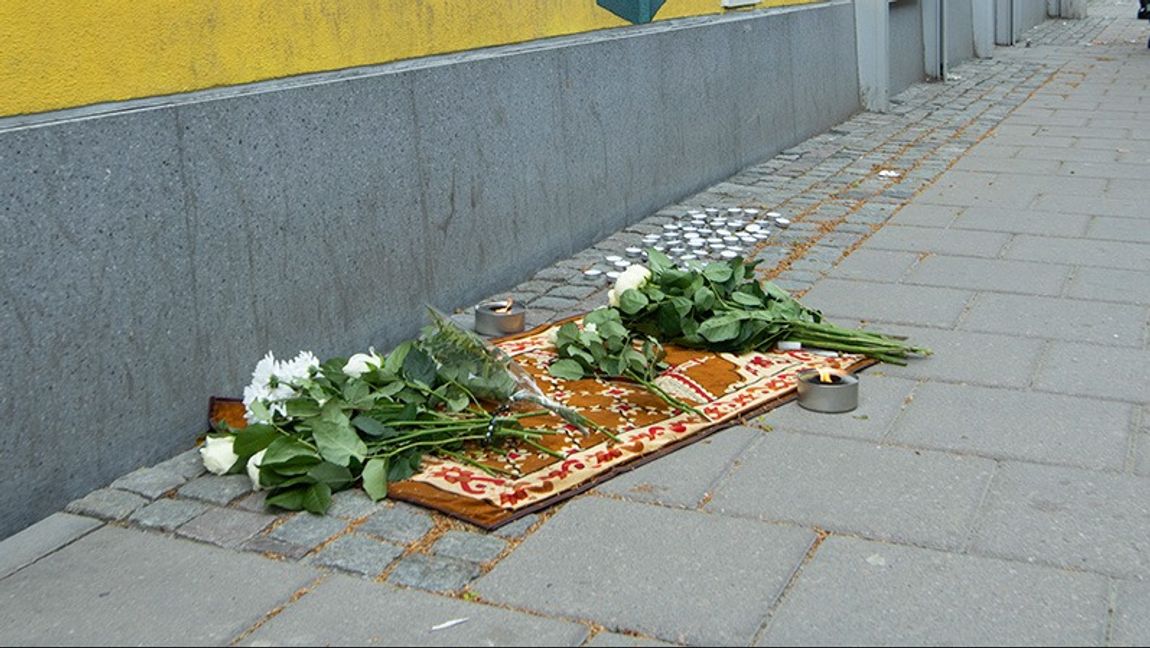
995, 493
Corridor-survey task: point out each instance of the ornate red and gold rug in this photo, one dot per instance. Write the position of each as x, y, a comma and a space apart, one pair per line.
726, 388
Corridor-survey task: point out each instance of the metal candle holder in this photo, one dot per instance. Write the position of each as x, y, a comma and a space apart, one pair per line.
494, 318
836, 397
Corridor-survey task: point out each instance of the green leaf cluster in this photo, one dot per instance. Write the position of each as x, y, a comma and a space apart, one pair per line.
722, 307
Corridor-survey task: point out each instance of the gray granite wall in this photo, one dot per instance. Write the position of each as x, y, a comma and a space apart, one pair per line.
154, 250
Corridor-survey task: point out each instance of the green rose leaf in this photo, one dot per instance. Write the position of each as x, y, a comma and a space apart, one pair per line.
720, 329
419, 367
317, 498
290, 498
369, 426
338, 442
747, 299
254, 438
336, 477
289, 450
375, 479
632, 301
658, 262
566, 369
717, 272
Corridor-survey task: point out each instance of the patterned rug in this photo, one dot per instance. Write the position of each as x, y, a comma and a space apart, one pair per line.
726, 388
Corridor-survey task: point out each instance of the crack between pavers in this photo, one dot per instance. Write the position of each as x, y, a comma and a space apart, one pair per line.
276, 611
820, 537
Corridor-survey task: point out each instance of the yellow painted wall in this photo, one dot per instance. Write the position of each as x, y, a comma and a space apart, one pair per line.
65, 53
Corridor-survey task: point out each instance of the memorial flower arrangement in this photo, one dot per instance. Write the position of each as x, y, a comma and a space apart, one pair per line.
315, 428
722, 307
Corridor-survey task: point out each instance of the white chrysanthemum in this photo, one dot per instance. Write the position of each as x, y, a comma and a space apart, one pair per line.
298, 369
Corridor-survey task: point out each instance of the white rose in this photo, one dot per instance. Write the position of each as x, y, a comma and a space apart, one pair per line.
218, 454
254, 468
553, 336
361, 363
635, 276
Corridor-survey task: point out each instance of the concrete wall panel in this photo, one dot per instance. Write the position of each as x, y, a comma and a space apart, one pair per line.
152, 255
907, 62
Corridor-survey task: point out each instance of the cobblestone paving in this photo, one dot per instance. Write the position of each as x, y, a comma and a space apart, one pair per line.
995, 493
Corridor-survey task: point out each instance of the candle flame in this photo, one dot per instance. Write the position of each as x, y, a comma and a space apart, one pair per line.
506, 307
825, 375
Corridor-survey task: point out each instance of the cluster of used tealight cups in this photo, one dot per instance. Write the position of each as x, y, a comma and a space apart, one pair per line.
699, 236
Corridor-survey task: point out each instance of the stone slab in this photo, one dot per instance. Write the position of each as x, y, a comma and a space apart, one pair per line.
217, 489
1135, 230
358, 554
352, 504
647, 569
434, 573
875, 265
399, 523
374, 614
687, 475
1131, 623
469, 547
861, 593
881, 399
188, 464
1108, 284
1091, 370
307, 529
962, 356
1061, 319
920, 497
225, 527
516, 529
168, 514
1069, 517
1016, 221
926, 215
990, 274
120, 587
888, 302
41, 539
614, 639
107, 504
1013, 424
149, 482
1123, 255
939, 241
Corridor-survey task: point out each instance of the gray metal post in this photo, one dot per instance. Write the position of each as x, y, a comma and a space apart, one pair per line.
983, 19
872, 29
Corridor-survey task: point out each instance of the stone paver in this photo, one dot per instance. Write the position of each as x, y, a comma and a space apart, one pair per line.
990, 274
686, 476
168, 514
1068, 517
149, 482
120, 587
188, 464
40, 539
370, 614
433, 573
1061, 319
647, 568
1122, 255
216, 489
1022, 221
1131, 623
884, 302
1010, 424
614, 639
961, 356
225, 527
469, 547
918, 497
352, 504
359, 554
1103, 372
868, 593
107, 504
881, 399
1108, 284
308, 530
517, 529
400, 523
939, 241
